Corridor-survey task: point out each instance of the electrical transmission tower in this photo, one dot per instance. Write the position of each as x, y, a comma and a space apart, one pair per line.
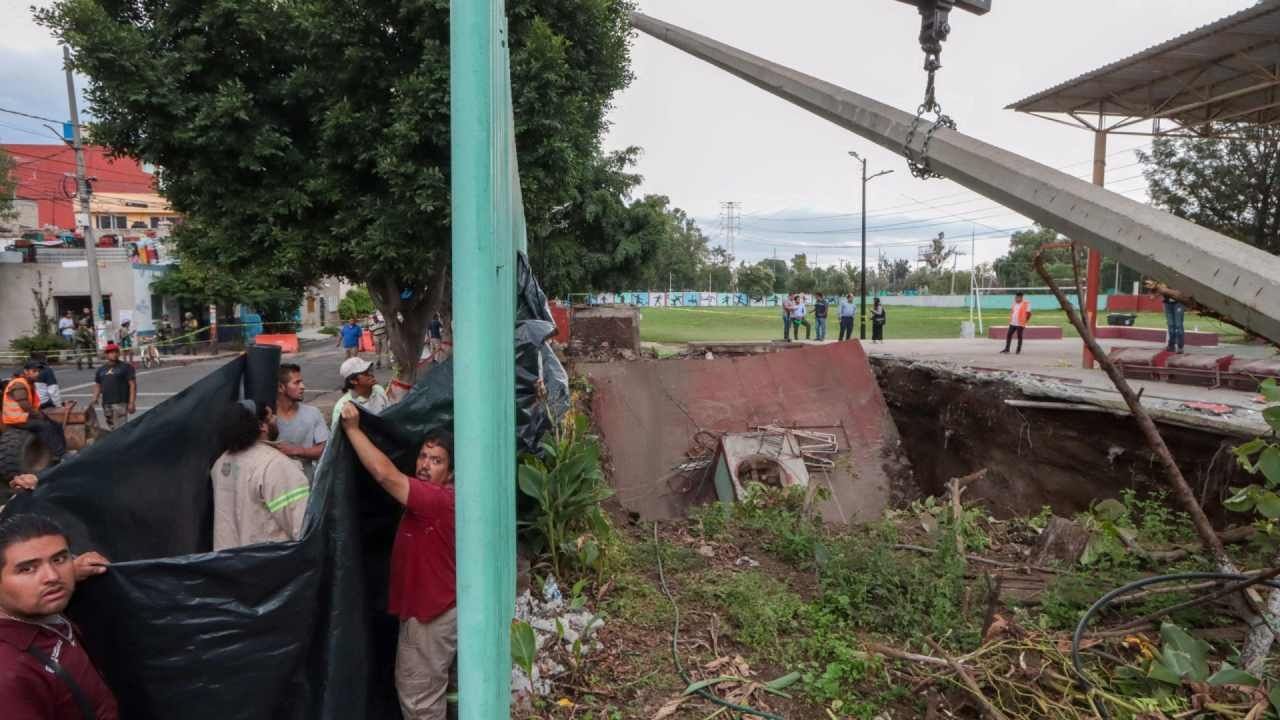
730, 224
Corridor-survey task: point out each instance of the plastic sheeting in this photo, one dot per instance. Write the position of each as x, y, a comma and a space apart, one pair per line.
282, 631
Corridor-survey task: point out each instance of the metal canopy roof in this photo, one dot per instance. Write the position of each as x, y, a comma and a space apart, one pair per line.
1227, 71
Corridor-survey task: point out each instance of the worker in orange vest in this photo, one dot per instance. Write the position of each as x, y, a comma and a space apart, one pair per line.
19, 408
1019, 316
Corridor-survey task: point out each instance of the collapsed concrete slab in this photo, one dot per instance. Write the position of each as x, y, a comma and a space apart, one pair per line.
662, 421
604, 327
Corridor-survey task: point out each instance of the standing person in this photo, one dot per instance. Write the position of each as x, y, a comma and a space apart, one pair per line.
20, 408
423, 570
1019, 316
360, 387
435, 336
379, 339
117, 384
848, 310
86, 345
124, 338
67, 327
820, 317
349, 337
1175, 319
303, 431
190, 326
259, 494
788, 306
45, 673
878, 318
86, 317
164, 335
798, 319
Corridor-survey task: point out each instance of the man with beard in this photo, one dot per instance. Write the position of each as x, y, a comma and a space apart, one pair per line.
423, 570
45, 673
259, 494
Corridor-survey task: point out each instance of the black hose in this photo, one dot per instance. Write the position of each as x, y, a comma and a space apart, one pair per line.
1110, 597
675, 648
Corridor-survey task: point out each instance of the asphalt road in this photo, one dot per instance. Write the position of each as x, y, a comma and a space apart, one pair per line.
319, 361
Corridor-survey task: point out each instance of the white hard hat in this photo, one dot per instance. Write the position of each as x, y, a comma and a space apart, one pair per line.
353, 366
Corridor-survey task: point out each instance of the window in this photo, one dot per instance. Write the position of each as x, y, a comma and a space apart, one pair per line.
122, 222
155, 223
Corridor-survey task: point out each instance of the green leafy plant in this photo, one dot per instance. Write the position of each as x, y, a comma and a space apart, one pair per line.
1260, 457
524, 646
567, 484
37, 343
1111, 534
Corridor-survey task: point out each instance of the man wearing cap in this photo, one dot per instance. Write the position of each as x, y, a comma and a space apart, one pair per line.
116, 383
361, 388
20, 408
259, 494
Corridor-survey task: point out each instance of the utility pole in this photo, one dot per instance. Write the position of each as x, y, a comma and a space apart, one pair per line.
862, 311
82, 189
730, 223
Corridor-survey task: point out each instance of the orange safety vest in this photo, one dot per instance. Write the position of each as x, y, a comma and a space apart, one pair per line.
1021, 311
13, 414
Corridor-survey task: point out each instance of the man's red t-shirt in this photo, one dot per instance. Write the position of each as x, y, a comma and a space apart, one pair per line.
28, 691
423, 571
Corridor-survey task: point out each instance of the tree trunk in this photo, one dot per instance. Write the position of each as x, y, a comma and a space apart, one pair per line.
407, 320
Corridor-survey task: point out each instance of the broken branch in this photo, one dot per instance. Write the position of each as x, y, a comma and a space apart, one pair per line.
969, 682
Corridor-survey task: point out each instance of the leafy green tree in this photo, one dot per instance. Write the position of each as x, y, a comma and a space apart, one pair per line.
755, 280
1015, 268
799, 263
8, 183
781, 274
938, 254
314, 137
356, 304
1231, 186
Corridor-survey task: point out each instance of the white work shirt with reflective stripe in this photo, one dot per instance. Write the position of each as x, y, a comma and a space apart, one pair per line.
259, 495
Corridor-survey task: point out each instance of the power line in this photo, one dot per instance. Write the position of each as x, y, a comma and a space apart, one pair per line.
33, 117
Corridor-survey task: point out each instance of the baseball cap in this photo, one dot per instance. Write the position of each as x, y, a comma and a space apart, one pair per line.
111, 347
353, 366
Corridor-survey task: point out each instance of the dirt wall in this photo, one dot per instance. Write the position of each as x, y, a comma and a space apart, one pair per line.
952, 424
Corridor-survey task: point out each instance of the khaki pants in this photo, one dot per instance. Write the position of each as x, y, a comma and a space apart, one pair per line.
115, 415
424, 656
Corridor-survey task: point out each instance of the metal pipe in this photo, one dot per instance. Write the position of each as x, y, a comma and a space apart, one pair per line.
1223, 274
1094, 274
484, 377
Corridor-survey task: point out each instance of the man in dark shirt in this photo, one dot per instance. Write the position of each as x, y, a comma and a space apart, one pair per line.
423, 573
45, 673
117, 385
820, 316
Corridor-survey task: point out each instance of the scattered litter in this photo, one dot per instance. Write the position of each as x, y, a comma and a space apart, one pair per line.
706, 551
709, 356
1214, 408
746, 562
557, 626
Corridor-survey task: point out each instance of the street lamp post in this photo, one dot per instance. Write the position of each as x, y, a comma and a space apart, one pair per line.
862, 312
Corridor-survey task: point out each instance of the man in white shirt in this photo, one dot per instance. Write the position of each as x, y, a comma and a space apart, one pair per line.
361, 388
798, 319
67, 327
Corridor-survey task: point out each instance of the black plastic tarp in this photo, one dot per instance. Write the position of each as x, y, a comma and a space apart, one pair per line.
266, 632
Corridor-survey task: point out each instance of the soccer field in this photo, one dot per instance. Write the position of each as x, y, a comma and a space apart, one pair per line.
680, 325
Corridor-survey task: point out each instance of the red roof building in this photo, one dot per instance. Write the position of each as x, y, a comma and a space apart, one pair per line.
46, 174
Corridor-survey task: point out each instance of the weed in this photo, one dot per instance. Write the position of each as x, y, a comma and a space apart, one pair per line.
712, 519
761, 608
779, 514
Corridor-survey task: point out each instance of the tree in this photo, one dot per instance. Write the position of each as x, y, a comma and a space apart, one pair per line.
755, 280
938, 254
781, 274
356, 304
1231, 186
893, 273
8, 184
1015, 269
799, 263
315, 139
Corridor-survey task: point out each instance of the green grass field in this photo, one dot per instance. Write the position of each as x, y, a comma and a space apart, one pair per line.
680, 325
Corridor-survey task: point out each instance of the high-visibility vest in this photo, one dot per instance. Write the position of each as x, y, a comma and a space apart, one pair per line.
1021, 311
13, 414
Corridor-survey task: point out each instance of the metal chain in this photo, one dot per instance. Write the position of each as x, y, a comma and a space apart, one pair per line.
919, 165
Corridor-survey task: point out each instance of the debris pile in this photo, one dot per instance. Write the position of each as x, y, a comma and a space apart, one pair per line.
564, 631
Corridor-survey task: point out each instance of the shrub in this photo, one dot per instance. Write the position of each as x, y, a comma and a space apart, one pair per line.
38, 343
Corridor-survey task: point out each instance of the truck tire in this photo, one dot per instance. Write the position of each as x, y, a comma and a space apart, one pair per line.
21, 452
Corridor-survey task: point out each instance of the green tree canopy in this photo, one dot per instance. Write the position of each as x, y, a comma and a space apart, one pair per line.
312, 139
1231, 186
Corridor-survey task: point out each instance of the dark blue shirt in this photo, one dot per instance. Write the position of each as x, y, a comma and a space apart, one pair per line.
351, 335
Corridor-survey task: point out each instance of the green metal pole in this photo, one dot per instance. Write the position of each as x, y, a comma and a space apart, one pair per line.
484, 375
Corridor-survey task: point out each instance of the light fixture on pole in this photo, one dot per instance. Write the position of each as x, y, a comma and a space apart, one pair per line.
862, 311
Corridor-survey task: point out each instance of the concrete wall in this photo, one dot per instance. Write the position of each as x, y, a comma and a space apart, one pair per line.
126, 285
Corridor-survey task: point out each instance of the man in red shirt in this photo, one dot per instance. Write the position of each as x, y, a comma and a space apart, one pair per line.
45, 673
423, 576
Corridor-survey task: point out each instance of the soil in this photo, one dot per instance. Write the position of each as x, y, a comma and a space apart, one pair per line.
612, 328
954, 423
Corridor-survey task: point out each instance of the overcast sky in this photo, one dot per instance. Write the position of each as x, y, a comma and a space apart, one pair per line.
709, 137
